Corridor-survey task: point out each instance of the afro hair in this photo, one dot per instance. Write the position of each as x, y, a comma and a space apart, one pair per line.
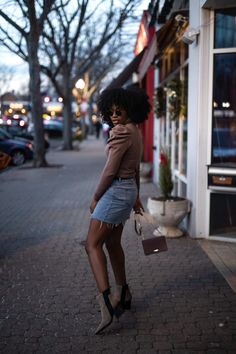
133, 100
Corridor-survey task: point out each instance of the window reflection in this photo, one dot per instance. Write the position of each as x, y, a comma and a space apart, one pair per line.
225, 28
224, 109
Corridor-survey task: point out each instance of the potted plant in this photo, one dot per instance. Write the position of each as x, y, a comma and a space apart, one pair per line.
167, 210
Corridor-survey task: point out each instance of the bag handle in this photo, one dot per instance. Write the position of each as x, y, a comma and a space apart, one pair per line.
138, 227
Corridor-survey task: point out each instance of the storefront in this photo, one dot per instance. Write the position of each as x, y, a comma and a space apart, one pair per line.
222, 164
189, 57
170, 101
196, 115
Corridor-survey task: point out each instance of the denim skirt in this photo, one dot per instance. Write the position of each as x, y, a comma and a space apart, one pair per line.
117, 202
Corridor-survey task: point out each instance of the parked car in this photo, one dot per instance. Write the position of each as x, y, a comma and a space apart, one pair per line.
19, 150
4, 160
54, 128
19, 133
16, 120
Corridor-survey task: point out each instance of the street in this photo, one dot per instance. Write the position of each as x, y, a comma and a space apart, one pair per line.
181, 303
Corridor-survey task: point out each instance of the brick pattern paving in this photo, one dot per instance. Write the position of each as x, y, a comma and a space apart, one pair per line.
181, 303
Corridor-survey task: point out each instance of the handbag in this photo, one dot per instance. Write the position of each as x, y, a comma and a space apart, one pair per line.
151, 245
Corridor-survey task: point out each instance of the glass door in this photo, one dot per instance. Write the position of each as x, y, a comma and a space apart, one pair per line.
223, 151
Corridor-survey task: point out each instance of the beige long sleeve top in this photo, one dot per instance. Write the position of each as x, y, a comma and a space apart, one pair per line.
123, 156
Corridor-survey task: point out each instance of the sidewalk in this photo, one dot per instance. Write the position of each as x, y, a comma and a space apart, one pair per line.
223, 255
181, 302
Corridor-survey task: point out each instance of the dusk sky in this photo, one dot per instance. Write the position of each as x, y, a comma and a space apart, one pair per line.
20, 77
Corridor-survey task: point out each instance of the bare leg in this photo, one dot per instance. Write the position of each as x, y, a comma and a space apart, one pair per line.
116, 254
97, 235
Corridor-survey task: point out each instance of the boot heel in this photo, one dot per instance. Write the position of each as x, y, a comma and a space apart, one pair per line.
118, 311
124, 299
127, 305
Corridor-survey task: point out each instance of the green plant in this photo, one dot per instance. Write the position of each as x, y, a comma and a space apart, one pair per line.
177, 102
160, 102
165, 175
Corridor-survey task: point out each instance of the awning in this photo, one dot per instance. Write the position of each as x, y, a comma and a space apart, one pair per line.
128, 71
167, 35
148, 58
218, 4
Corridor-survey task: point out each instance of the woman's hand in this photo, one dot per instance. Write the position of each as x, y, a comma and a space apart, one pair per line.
138, 207
93, 205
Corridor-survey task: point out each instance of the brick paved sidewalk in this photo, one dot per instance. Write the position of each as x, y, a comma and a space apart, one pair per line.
181, 303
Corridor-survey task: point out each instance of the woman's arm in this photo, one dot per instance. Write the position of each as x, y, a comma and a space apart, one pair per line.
117, 144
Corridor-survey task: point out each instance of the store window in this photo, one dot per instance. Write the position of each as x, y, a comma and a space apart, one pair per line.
225, 28
222, 215
224, 109
224, 88
174, 79
223, 153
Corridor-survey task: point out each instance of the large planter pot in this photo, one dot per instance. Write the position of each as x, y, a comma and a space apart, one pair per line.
145, 171
168, 214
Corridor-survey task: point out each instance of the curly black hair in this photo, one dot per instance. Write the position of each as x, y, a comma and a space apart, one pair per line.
133, 100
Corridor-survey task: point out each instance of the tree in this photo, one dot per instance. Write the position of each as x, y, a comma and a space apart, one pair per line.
21, 35
6, 74
75, 35
74, 40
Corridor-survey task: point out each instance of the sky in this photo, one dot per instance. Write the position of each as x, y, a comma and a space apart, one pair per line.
20, 68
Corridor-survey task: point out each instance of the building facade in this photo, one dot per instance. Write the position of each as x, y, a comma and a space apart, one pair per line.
211, 152
195, 109
186, 62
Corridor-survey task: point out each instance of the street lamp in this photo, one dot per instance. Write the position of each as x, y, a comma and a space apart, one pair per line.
78, 92
80, 84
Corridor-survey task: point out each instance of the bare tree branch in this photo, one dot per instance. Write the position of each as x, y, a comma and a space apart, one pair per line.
78, 31
13, 24
6, 74
47, 6
26, 46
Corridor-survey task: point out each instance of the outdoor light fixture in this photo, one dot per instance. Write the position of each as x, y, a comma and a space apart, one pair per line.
190, 35
80, 84
180, 18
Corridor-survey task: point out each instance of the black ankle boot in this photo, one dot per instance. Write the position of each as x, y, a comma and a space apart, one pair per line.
124, 298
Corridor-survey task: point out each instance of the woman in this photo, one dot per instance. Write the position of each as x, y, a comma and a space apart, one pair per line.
116, 195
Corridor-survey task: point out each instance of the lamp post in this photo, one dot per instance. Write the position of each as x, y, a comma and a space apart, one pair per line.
80, 93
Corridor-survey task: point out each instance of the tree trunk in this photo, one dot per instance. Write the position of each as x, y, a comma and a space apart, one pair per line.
67, 111
36, 100
67, 116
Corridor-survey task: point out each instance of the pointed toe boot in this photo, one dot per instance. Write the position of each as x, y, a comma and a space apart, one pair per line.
108, 309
